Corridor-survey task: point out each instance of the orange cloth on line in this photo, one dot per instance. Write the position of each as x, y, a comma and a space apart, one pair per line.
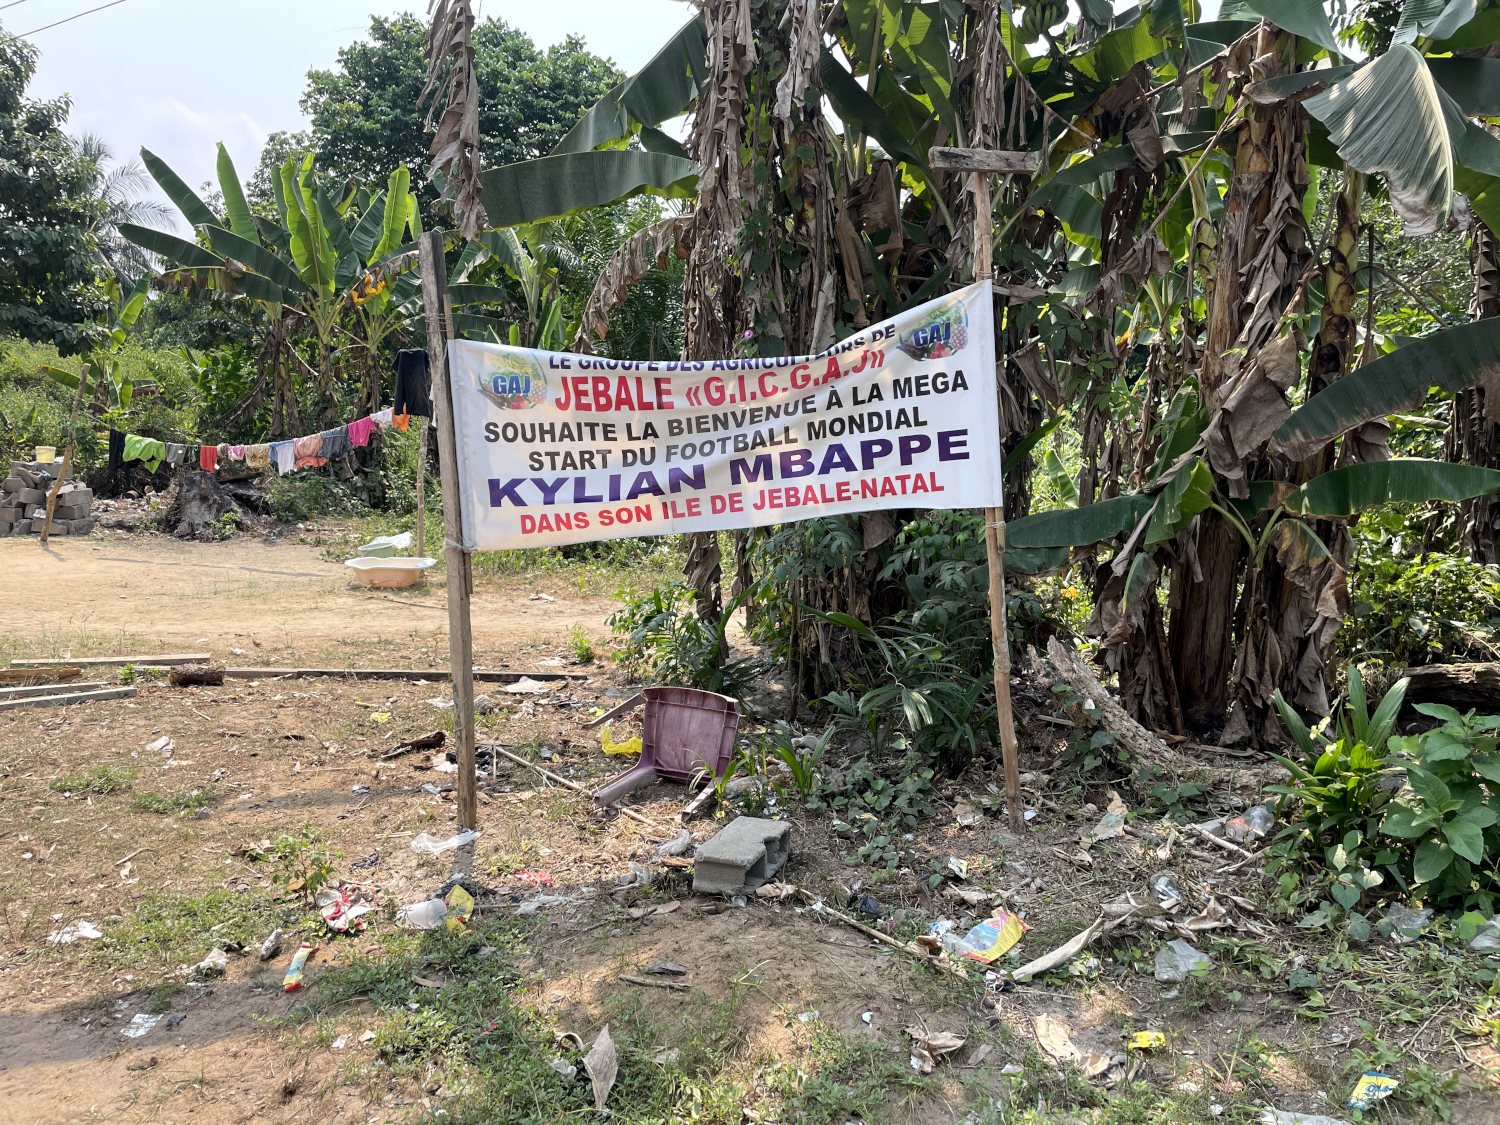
208, 458
307, 449
400, 421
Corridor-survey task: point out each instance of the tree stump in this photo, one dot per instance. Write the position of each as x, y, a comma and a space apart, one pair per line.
197, 675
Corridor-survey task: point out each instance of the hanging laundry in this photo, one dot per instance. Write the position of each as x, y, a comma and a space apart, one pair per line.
284, 456
360, 430
144, 449
258, 456
236, 452
223, 451
309, 451
384, 417
335, 442
412, 381
400, 421
176, 453
208, 458
116, 450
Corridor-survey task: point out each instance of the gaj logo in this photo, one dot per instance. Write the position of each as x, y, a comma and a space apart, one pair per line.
943, 331
513, 380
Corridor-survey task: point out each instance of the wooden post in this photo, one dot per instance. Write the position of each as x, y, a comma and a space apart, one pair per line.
67, 465
422, 427
979, 163
460, 635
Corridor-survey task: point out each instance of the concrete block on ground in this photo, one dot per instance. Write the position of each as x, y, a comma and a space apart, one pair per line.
12, 484
746, 854
71, 511
80, 527
21, 527
32, 496
75, 494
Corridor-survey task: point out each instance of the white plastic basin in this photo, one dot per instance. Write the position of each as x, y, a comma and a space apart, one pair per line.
389, 574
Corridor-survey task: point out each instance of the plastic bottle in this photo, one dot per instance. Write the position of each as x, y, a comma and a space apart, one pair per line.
427, 915
1252, 824
956, 946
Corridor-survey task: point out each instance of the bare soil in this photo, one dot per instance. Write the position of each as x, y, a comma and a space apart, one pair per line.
277, 754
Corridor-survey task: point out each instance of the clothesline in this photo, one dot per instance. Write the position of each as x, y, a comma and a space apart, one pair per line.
311, 451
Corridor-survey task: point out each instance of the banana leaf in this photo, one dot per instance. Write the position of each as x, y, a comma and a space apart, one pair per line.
395, 214
234, 196
1079, 527
256, 256
1417, 16
1111, 58
178, 251
1166, 19
367, 232
472, 326
1028, 443
1352, 489
1062, 484
1186, 494
922, 48
855, 107
1033, 560
217, 279
1300, 18
193, 209
1285, 85
661, 90
477, 294
1387, 117
1480, 31
533, 191
1474, 84
1205, 40
1452, 359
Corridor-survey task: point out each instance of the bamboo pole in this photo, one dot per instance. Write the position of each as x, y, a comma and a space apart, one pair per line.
994, 548
460, 629
67, 465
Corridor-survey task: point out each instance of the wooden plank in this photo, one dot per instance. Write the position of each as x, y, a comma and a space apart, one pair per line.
981, 160
460, 581
400, 674
50, 689
107, 661
22, 677
65, 700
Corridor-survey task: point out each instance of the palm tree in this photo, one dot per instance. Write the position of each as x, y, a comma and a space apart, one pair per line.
119, 191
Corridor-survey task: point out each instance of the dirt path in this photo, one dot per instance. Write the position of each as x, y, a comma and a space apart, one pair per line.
87, 597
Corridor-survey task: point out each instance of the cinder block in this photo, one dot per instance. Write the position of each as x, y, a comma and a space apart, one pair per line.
32, 496
80, 527
12, 484
75, 494
745, 855
21, 527
71, 512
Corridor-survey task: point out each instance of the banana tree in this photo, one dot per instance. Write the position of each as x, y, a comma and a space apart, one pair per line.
313, 268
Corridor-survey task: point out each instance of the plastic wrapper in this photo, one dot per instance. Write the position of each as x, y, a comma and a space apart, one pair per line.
293, 979
995, 936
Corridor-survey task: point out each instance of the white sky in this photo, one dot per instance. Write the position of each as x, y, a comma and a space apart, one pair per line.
177, 76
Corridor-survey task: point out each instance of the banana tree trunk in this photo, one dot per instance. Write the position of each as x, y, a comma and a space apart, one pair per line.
1261, 249
1473, 432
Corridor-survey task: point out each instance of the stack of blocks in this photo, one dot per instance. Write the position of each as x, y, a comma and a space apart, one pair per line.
23, 502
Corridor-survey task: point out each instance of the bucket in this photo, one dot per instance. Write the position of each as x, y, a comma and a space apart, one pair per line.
46, 454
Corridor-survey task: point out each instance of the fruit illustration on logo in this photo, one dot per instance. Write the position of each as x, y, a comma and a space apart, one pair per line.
512, 379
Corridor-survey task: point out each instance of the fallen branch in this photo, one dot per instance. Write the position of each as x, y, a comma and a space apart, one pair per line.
674, 985
421, 742
906, 947
1071, 948
631, 813
1218, 843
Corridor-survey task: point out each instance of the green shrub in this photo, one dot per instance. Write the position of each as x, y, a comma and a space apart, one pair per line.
1407, 611
666, 641
303, 495
183, 801
1406, 816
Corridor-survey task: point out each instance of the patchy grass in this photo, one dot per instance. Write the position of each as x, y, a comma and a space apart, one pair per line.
183, 801
99, 781
166, 930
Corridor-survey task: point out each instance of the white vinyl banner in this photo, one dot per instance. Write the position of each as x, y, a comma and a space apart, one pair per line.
560, 448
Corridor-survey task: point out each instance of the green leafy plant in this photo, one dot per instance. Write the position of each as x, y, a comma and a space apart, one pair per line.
301, 861
184, 801
880, 811
804, 764
582, 646
1443, 815
665, 640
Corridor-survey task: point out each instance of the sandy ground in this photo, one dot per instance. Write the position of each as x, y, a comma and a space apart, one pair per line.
276, 754
88, 596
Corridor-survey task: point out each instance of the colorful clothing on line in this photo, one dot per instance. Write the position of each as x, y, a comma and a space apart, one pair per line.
144, 449
360, 430
208, 458
309, 451
400, 421
412, 381
284, 455
236, 452
176, 453
258, 456
116, 450
335, 442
